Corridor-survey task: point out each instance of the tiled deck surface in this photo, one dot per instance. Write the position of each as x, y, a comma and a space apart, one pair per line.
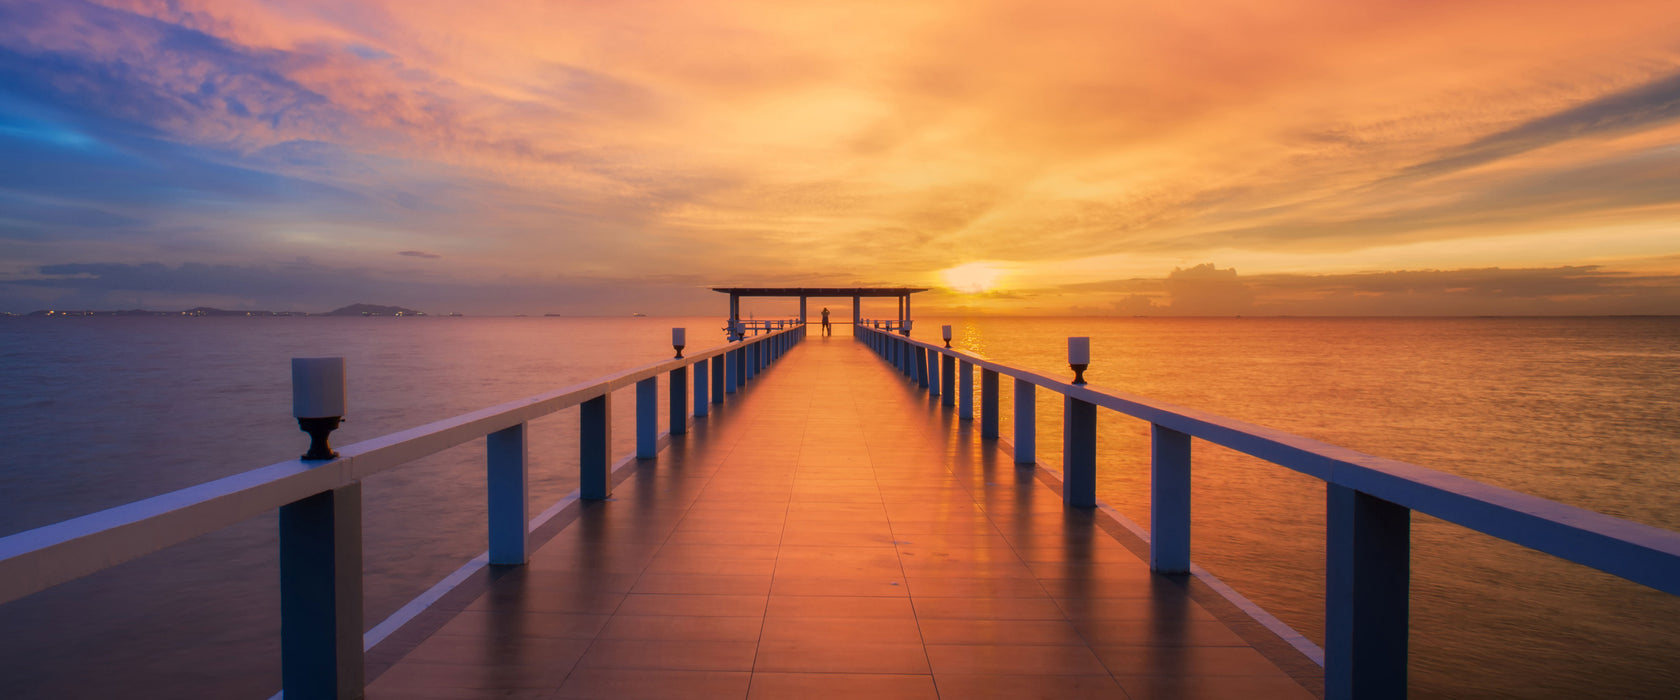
831, 534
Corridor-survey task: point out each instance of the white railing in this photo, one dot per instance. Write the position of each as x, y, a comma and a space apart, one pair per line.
320, 504
1369, 504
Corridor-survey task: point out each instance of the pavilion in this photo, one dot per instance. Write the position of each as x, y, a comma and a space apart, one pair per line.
856, 293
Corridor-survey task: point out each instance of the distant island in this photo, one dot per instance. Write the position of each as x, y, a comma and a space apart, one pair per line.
351, 310
373, 310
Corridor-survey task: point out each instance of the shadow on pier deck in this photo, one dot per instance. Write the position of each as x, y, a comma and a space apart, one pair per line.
829, 535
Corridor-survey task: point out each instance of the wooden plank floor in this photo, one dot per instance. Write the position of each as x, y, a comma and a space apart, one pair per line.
831, 534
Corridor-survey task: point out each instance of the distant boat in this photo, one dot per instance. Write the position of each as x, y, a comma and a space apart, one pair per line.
455, 315
638, 314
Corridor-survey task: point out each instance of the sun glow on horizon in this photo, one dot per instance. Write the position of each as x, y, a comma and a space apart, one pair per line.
973, 278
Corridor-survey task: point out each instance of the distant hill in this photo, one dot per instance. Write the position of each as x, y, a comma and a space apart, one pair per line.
373, 310
351, 310
195, 311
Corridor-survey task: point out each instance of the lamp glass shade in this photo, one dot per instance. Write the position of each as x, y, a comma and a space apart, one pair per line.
1079, 351
947, 331
317, 387
679, 336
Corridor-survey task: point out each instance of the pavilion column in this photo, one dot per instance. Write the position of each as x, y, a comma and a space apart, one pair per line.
802, 314
857, 312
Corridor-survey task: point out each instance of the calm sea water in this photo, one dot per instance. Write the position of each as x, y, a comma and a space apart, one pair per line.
99, 412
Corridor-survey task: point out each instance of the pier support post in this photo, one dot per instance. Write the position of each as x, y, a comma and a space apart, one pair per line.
321, 595
507, 476
1169, 500
730, 361
1079, 453
921, 361
750, 361
647, 418
1026, 420
677, 406
988, 403
1366, 595
703, 380
595, 447
948, 380
965, 390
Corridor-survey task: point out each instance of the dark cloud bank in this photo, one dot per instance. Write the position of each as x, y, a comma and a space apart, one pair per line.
1207, 290
1203, 290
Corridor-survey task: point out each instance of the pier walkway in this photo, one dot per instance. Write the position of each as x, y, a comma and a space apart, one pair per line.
832, 533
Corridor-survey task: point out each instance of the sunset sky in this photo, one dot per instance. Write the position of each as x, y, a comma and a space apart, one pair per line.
1204, 157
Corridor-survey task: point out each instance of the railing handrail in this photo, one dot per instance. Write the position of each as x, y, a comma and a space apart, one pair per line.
1634, 551
35, 560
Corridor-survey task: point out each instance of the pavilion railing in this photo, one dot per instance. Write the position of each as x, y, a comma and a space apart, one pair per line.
1369, 503
322, 641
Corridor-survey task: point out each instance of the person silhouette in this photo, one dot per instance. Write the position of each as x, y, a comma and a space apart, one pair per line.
827, 329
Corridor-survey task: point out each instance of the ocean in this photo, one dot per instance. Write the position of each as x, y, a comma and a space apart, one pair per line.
103, 411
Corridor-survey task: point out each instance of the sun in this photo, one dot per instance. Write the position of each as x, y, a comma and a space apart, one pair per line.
974, 277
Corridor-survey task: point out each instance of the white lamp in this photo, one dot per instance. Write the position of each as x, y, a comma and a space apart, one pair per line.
1079, 357
947, 331
679, 339
318, 401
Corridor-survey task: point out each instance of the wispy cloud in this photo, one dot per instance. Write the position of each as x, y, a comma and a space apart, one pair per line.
1641, 107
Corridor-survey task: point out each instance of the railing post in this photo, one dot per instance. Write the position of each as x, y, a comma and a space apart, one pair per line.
948, 380
965, 390
988, 403
647, 418
1079, 453
595, 447
506, 460
321, 595
921, 362
719, 368
1026, 419
751, 360
677, 406
1366, 592
932, 366
702, 385
1169, 500
731, 363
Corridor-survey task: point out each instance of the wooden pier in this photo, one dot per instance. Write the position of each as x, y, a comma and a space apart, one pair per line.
833, 532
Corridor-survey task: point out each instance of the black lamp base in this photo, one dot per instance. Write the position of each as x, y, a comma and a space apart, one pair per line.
318, 429
679, 351
1079, 373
